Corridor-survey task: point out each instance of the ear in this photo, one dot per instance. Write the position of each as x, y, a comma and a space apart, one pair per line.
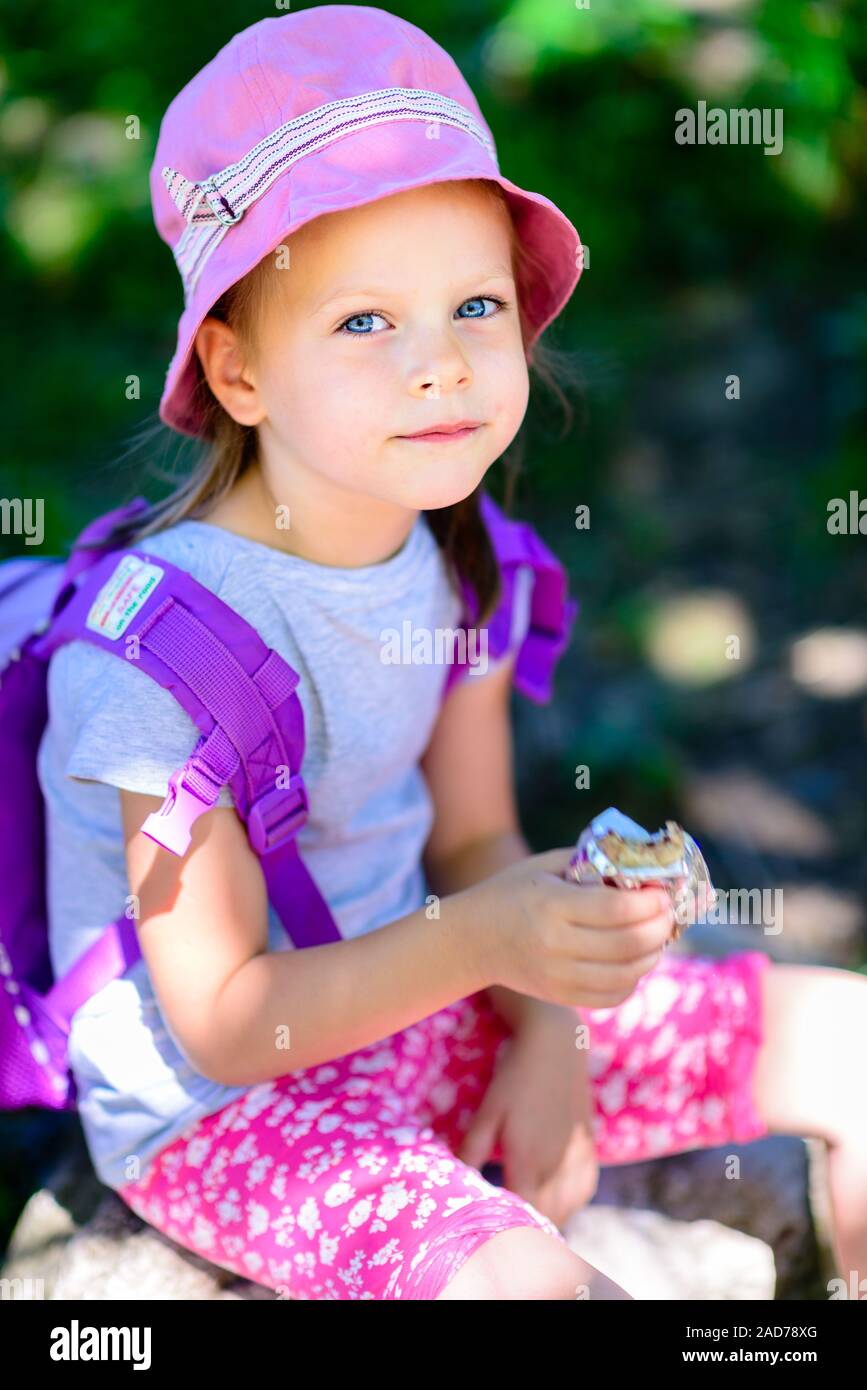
226, 371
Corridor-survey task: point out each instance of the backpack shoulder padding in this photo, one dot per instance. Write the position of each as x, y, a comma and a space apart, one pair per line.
237, 690
242, 696
529, 573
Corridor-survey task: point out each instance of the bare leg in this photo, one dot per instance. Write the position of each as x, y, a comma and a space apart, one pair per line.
526, 1263
809, 1080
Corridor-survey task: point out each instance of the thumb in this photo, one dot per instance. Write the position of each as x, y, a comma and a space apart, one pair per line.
478, 1142
554, 860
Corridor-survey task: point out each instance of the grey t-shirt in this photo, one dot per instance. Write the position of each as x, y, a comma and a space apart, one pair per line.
367, 723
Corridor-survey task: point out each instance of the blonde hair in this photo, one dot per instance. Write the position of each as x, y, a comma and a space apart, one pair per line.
230, 448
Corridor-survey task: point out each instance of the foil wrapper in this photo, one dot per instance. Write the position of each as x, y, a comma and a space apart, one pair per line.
606, 847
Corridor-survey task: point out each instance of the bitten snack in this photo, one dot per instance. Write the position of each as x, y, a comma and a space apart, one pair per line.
614, 849
664, 848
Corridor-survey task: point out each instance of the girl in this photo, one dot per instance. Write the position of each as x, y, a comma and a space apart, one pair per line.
357, 274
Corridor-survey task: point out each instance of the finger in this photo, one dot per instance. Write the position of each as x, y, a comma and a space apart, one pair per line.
620, 946
611, 977
601, 906
554, 861
478, 1142
520, 1176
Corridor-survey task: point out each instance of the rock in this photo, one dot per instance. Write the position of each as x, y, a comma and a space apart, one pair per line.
667, 1228
82, 1241
778, 1199
654, 1257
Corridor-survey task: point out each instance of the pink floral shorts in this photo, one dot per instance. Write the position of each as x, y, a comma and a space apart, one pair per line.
339, 1181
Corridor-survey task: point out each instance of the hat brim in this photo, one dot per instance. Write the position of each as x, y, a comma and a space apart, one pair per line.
334, 185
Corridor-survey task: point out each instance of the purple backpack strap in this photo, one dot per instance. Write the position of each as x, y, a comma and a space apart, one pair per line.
241, 694
552, 613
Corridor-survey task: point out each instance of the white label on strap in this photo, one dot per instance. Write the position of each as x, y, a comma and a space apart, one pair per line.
122, 595
525, 581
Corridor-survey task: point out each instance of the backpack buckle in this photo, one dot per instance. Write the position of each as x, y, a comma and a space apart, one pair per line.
170, 826
279, 812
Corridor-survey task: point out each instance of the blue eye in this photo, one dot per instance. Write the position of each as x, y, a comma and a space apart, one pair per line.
367, 314
349, 332
483, 299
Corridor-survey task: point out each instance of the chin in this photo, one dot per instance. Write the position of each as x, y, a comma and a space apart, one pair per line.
431, 493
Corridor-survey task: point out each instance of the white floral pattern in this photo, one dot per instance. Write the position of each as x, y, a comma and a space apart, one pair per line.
340, 1181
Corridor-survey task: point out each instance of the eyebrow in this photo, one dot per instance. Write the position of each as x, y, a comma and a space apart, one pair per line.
498, 271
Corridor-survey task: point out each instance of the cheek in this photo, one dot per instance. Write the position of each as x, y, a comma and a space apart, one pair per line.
335, 418
327, 396
349, 378
510, 391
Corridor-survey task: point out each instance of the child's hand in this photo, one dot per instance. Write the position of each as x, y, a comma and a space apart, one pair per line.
567, 943
539, 1107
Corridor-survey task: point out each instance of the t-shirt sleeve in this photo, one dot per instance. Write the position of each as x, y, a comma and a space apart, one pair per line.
116, 724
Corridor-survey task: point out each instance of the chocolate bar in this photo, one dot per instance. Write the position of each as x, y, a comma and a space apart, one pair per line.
615, 850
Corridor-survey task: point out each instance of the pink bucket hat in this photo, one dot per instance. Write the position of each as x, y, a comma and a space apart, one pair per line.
314, 112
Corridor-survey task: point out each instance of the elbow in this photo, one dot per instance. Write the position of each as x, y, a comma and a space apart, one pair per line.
216, 1047
213, 1070
210, 1061
214, 1065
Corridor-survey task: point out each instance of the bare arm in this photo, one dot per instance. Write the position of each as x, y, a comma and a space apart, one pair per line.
228, 1002
475, 862
476, 833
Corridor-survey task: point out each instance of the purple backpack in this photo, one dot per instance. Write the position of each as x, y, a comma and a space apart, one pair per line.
242, 696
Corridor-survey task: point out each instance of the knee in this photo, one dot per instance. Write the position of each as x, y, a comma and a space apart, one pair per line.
526, 1263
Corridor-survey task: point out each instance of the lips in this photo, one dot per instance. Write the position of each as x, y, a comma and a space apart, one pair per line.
459, 429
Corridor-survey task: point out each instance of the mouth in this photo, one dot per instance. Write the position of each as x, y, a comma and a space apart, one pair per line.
444, 435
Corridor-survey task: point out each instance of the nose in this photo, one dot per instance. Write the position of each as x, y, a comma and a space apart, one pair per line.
444, 369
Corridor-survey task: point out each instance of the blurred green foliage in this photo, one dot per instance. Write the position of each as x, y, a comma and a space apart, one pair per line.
581, 102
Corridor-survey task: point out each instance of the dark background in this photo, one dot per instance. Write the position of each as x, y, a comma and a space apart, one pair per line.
708, 515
